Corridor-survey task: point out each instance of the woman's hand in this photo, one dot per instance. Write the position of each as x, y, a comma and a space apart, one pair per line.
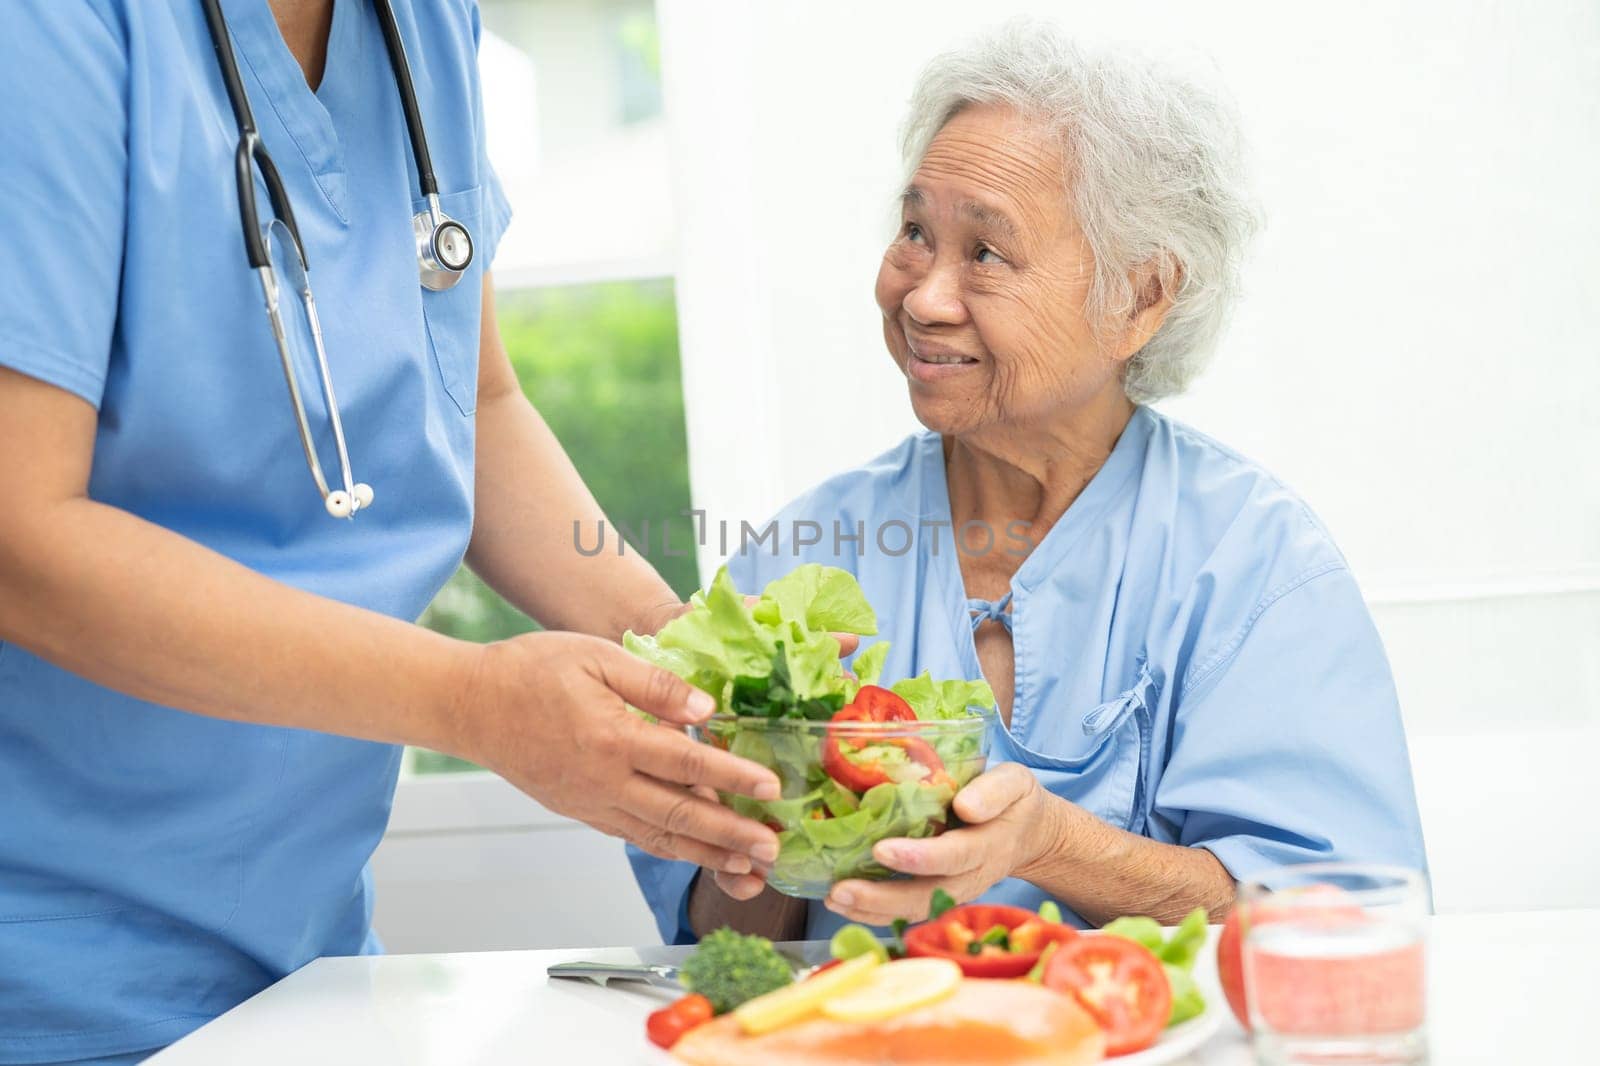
1004, 810
547, 712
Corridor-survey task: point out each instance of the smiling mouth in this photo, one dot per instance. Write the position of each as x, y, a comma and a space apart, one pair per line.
938, 356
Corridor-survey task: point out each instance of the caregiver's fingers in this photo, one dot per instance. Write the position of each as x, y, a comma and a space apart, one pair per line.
739, 886
665, 845
676, 813
650, 688
670, 756
991, 794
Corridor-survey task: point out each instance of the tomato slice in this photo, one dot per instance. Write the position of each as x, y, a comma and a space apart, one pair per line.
874, 704
951, 935
1117, 981
665, 1026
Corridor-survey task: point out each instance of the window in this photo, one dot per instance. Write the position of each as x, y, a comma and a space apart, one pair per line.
572, 99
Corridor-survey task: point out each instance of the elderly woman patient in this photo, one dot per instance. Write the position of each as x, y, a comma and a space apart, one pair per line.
1190, 687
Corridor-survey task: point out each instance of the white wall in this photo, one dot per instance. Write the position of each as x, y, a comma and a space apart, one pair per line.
1415, 339
1417, 351
471, 864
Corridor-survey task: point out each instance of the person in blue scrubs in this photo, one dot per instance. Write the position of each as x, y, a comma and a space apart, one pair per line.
205, 679
1190, 686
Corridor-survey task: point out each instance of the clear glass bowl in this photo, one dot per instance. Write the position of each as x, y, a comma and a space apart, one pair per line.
848, 785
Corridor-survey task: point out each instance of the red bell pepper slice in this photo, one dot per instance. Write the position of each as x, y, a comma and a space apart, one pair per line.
874, 704
949, 936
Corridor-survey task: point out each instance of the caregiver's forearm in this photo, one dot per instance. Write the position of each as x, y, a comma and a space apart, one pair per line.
774, 916
1103, 872
530, 501
141, 609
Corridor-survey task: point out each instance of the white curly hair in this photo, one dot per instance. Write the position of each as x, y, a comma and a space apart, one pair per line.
1155, 176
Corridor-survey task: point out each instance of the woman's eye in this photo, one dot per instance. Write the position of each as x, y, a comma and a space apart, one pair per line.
913, 232
994, 256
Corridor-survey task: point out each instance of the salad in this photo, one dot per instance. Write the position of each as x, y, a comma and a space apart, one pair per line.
1133, 978
1125, 985
858, 761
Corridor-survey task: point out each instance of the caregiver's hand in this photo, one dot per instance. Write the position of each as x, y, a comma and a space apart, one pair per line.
1003, 812
546, 712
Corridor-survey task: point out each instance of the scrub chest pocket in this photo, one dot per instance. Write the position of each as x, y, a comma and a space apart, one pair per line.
453, 316
1109, 778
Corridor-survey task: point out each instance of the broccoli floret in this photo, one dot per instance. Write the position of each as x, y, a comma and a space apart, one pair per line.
729, 968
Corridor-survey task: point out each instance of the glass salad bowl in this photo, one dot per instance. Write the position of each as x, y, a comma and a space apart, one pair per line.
847, 785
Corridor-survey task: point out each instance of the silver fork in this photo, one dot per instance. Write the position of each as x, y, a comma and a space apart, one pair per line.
602, 973
659, 974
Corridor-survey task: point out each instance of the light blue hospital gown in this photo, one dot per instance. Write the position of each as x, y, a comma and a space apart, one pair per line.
1194, 661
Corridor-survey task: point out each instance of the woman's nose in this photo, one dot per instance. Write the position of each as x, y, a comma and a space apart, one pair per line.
935, 298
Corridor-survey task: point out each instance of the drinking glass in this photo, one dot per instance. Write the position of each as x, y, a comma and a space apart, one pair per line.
1335, 964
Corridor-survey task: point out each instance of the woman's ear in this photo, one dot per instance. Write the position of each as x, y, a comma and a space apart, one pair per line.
1155, 285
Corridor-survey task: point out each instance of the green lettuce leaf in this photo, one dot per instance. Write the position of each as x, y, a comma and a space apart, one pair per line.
821, 598
825, 850
1183, 947
1187, 1000
868, 666
1143, 931
776, 659
943, 699
720, 637
812, 659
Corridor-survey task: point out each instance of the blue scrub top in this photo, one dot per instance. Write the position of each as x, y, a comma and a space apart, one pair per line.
158, 867
1194, 661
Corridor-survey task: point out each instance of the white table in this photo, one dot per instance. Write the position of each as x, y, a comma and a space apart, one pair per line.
1505, 988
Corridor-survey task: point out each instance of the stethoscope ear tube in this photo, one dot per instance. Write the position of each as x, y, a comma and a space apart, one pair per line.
250, 147
408, 97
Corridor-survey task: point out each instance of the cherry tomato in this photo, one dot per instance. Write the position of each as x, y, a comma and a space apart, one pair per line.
1117, 981
951, 935
666, 1025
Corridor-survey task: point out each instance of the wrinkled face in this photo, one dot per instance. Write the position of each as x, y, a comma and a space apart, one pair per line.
983, 288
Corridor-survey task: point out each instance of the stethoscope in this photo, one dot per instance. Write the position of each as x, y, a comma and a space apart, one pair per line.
444, 247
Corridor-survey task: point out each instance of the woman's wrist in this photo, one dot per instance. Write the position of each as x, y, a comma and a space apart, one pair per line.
1057, 842
1101, 871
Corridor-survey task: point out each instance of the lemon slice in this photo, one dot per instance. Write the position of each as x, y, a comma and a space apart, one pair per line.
793, 1002
853, 940
894, 989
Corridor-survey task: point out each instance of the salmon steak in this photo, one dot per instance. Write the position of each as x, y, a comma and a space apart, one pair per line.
983, 1023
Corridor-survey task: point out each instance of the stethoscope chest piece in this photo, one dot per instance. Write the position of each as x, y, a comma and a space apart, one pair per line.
444, 247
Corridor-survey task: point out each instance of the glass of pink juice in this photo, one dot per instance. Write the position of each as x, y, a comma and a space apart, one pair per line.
1335, 964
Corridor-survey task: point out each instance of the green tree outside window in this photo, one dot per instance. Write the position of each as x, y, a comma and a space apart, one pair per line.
600, 362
